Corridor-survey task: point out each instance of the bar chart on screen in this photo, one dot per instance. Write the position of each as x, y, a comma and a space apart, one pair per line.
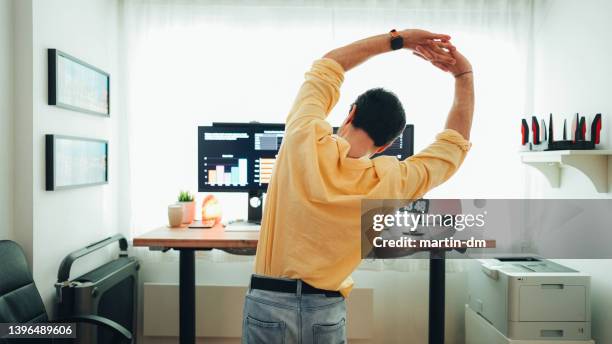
263, 170
226, 170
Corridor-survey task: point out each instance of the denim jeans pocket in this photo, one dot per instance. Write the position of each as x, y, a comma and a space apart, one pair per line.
264, 332
330, 333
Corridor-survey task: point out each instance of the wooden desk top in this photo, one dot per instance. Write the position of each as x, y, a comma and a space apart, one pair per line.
197, 238
218, 237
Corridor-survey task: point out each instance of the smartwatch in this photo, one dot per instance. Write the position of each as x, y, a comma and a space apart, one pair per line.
397, 41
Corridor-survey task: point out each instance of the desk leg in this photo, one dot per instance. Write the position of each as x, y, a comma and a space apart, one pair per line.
187, 296
436, 296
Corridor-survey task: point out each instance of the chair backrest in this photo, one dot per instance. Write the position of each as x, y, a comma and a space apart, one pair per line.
20, 301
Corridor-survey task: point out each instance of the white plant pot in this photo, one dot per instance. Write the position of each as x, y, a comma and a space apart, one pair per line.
175, 215
188, 211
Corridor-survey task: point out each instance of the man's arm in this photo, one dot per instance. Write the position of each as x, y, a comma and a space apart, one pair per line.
430, 45
320, 90
437, 162
461, 113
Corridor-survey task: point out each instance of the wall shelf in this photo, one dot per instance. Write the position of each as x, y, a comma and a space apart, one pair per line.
592, 163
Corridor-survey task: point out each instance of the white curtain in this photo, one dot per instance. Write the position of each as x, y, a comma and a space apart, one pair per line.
189, 63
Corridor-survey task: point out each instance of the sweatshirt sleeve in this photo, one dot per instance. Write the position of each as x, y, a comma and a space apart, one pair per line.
433, 165
318, 94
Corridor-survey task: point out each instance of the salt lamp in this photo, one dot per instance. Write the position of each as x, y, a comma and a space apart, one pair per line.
211, 211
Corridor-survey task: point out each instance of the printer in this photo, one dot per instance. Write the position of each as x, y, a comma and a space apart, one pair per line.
531, 298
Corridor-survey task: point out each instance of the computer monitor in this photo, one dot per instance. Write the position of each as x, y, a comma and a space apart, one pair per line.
239, 157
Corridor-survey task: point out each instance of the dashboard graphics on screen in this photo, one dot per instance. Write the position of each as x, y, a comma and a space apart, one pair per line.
236, 157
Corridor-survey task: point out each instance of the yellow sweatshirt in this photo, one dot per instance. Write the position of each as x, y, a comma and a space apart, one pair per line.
311, 223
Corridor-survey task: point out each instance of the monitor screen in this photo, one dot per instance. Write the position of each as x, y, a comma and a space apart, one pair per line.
240, 156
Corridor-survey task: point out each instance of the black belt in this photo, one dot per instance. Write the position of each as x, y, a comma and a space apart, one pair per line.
288, 286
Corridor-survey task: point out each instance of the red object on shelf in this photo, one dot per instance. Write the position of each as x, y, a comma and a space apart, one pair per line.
535, 129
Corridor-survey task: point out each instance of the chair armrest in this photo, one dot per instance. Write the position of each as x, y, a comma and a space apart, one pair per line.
100, 321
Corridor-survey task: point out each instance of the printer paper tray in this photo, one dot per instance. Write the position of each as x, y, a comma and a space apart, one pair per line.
479, 331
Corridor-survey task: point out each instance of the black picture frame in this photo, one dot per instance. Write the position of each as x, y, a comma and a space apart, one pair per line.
56, 90
51, 162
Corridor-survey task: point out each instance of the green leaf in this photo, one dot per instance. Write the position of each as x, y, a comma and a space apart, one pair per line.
185, 196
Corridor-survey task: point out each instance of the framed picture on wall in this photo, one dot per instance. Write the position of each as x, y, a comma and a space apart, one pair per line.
76, 85
75, 162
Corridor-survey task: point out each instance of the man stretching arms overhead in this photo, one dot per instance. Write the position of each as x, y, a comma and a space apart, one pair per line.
310, 234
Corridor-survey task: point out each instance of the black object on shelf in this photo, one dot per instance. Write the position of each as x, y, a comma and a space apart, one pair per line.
576, 127
543, 137
569, 145
550, 129
109, 291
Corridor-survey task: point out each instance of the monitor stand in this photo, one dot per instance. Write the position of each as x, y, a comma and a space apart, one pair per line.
255, 203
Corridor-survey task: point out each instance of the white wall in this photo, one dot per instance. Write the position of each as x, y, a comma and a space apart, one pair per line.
6, 119
572, 74
23, 124
52, 224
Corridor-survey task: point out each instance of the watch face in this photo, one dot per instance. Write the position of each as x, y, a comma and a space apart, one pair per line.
397, 43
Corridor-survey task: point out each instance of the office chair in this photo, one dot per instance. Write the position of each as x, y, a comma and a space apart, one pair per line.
20, 301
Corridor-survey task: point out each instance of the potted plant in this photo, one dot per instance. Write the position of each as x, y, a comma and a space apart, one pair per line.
186, 200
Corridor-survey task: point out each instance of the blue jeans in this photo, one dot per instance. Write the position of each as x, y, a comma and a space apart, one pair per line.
286, 318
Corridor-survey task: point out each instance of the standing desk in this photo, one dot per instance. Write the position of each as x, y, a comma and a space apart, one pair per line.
188, 240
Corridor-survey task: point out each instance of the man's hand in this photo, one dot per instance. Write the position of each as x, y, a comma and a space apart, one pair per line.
461, 66
433, 47
461, 113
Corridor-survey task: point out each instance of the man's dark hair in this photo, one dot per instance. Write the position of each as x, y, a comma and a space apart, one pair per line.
380, 114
